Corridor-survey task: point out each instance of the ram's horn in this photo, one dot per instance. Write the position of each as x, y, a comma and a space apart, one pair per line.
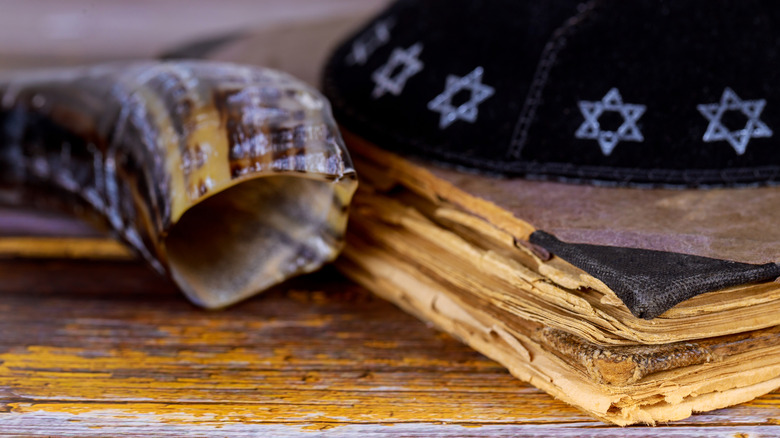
228, 178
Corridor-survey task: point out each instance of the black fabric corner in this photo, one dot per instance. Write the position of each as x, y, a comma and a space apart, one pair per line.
609, 91
652, 282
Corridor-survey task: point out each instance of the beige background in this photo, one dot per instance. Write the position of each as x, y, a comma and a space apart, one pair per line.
47, 32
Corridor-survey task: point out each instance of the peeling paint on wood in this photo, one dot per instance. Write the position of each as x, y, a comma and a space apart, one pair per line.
95, 348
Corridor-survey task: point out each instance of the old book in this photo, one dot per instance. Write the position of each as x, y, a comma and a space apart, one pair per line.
461, 262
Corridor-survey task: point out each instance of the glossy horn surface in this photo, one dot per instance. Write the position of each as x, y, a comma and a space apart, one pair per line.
228, 178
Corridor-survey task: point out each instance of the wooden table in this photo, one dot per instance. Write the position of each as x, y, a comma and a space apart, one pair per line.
97, 348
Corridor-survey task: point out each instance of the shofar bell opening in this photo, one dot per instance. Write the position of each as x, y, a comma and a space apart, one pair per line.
228, 178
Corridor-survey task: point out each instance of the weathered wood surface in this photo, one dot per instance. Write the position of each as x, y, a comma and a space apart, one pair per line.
95, 348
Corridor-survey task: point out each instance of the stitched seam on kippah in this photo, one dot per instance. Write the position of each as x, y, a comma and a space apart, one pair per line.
549, 55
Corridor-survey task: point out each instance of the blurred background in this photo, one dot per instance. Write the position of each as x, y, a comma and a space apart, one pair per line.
49, 32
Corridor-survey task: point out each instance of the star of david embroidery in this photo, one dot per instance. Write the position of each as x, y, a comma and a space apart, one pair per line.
386, 81
365, 45
729, 101
628, 130
467, 111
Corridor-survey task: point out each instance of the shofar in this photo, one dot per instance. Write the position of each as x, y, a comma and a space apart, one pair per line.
228, 178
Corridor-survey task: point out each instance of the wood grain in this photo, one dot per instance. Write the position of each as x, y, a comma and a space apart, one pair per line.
63, 247
94, 348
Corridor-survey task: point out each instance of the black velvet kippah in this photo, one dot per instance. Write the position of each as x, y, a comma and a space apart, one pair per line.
641, 92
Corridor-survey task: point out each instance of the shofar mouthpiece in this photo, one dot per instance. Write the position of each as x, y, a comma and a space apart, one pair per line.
228, 178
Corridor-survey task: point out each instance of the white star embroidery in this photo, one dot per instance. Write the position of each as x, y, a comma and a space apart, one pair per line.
365, 45
613, 101
729, 101
467, 111
410, 66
